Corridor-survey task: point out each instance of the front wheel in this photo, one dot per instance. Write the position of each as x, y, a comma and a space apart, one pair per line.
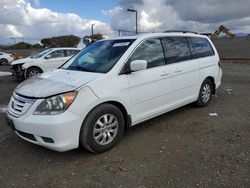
102, 128
33, 71
205, 93
4, 61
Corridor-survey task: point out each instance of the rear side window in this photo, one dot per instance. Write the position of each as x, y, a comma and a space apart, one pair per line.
57, 54
151, 51
71, 52
202, 47
176, 49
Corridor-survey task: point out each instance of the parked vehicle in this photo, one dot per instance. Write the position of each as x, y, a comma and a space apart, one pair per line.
5, 58
112, 85
47, 60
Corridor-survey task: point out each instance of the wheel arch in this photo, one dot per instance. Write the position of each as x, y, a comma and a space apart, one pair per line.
121, 107
127, 117
213, 83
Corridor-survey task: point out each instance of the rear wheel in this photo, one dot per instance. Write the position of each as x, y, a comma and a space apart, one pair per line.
33, 71
102, 128
4, 61
205, 94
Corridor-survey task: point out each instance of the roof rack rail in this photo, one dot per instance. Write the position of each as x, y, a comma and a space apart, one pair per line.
179, 31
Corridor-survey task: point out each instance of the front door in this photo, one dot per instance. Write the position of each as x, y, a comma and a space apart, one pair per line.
149, 89
57, 58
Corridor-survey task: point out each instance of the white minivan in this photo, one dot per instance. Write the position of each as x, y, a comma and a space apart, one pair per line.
112, 85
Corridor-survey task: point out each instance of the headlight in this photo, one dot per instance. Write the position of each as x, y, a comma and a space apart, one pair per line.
56, 104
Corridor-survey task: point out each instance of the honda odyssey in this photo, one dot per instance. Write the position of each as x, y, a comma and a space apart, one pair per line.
112, 85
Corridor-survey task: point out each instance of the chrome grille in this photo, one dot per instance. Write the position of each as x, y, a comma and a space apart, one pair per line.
18, 105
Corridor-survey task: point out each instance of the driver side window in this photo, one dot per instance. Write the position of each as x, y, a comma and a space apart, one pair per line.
57, 54
151, 51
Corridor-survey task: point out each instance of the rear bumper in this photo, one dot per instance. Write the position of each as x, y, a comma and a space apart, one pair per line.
218, 79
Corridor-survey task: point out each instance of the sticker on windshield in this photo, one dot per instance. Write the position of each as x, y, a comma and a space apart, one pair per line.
121, 44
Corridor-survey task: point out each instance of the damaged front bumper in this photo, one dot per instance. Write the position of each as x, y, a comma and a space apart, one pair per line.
18, 71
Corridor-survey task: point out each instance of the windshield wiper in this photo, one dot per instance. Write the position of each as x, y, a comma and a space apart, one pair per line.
80, 68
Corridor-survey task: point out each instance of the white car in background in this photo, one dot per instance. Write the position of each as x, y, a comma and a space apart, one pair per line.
47, 60
5, 58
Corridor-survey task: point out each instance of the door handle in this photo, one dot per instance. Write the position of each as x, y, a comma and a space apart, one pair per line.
164, 73
177, 70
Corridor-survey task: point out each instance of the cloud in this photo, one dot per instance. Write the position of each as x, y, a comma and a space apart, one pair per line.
20, 19
193, 15
210, 11
37, 2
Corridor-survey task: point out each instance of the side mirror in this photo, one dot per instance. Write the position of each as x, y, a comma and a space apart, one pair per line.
138, 65
48, 56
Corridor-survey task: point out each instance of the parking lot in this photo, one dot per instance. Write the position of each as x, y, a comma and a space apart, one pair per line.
188, 147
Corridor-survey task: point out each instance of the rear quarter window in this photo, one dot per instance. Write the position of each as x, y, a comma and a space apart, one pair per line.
202, 47
176, 49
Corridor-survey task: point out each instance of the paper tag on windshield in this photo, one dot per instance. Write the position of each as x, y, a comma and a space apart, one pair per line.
121, 44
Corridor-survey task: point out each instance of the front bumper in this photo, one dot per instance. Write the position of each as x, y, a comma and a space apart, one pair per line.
59, 134
18, 71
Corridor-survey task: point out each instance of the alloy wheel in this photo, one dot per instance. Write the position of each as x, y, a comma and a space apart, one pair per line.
105, 129
206, 93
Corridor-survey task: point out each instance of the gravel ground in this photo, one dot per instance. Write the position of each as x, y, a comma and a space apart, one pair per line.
184, 148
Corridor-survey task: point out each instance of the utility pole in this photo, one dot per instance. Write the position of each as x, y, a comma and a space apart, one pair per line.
92, 31
132, 10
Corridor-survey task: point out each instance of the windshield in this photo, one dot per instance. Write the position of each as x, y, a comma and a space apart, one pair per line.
99, 57
42, 53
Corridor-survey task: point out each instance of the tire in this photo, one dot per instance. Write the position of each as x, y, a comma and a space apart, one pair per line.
205, 93
105, 119
4, 61
33, 71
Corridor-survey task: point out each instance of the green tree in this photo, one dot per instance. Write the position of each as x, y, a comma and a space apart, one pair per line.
61, 41
96, 36
20, 45
36, 45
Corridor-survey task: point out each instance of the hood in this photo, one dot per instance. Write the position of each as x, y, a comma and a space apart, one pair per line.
22, 61
55, 82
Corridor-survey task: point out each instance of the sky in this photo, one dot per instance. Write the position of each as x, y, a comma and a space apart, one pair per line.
32, 20
85, 9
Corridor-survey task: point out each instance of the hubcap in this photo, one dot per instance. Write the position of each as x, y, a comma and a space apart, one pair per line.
105, 129
206, 93
33, 73
4, 61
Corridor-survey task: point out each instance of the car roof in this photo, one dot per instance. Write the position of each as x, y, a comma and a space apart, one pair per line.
149, 35
65, 48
